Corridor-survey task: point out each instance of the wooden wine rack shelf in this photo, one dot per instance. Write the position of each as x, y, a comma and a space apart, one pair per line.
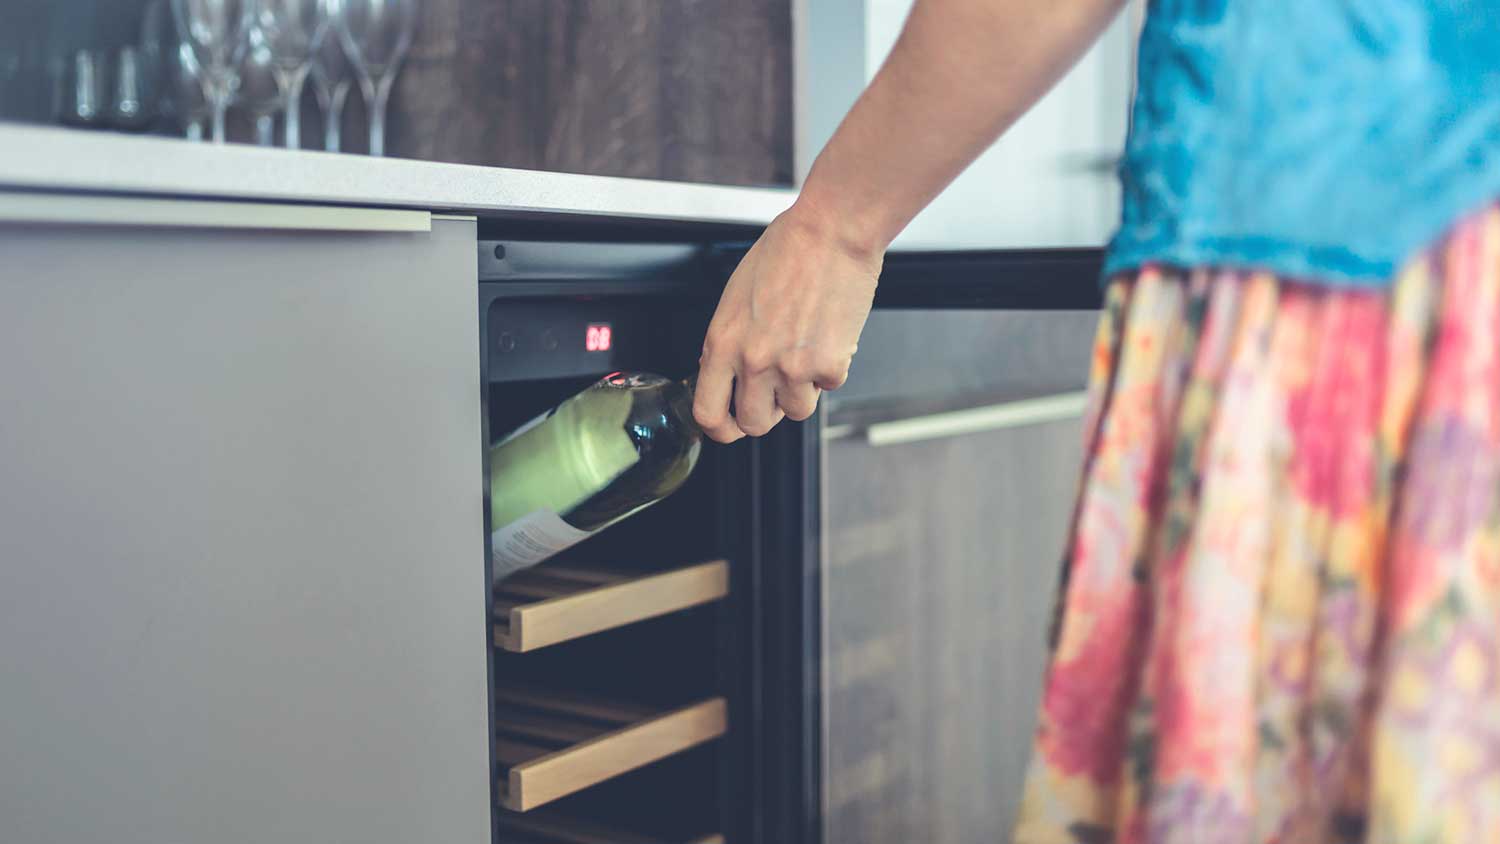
551, 745
545, 828
545, 605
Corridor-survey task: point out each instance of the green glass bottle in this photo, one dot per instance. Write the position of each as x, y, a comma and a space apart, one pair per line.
614, 449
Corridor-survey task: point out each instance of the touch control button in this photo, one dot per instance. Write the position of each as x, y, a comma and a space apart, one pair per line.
507, 342
549, 341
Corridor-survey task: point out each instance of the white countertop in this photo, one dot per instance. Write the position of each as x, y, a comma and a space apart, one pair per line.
47, 158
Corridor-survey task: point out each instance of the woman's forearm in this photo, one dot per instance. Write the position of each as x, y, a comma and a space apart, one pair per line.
789, 320
960, 74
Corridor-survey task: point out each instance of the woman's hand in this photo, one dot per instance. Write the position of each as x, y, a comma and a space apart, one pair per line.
786, 327
961, 72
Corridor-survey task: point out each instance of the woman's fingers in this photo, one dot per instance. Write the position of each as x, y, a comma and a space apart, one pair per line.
711, 400
755, 408
831, 373
797, 400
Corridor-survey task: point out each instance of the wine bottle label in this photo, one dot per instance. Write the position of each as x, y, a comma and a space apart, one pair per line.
529, 540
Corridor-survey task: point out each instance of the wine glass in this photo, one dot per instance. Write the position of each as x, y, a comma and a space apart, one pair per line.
216, 31
330, 78
158, 46
130, 108
260, 91
85, 91
292, 30
12, 82
36, 41
376, 36
189, 102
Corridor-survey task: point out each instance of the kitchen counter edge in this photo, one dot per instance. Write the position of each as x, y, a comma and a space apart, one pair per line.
56, 159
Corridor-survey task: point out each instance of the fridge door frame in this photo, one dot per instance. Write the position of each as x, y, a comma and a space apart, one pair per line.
780, 724
752, 515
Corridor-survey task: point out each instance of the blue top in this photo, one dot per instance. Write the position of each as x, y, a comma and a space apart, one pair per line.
1323, 140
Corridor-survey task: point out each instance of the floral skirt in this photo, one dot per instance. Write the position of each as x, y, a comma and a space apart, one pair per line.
1280, 614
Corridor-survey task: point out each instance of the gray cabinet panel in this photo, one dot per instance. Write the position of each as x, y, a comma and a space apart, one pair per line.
241, 544
940, 567
942, 357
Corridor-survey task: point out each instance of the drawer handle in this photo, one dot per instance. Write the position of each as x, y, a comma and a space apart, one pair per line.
536, 781
550, 604
975, 420
67, 209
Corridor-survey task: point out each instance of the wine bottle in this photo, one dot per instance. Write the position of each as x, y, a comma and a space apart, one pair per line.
610, 451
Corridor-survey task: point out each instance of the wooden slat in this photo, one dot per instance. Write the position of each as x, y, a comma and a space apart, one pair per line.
536, 589
529, 586
568, 830
612, 712
548, 579
560, 619
543, 728
572, 769
556, 581
510, 753
593, 577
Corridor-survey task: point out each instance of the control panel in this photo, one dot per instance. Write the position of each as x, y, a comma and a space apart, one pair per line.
537, 340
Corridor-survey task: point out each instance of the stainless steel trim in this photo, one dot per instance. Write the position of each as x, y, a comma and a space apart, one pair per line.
554, 260
68, 209
976, 420
838, 432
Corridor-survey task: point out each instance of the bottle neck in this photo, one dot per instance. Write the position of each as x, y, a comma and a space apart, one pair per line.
683, 399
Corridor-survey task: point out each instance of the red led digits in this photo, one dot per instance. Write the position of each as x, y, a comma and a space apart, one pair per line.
598, 338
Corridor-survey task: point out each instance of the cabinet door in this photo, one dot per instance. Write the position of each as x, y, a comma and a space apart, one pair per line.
949, 465
241, 570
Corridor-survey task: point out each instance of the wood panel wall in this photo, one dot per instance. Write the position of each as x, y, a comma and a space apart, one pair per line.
692, 90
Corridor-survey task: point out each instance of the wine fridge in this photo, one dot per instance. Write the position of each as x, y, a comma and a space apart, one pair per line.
659, 683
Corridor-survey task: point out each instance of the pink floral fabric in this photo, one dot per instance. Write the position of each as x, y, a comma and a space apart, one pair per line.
1280, 616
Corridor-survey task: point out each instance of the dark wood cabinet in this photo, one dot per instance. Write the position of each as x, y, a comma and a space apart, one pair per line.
678, 90
687, 90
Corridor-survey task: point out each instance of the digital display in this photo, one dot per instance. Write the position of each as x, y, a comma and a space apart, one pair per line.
599, 337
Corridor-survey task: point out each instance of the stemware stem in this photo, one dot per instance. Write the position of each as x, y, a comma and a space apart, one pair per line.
333, 117
291, 86
265, 130
220, 115
378, 103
